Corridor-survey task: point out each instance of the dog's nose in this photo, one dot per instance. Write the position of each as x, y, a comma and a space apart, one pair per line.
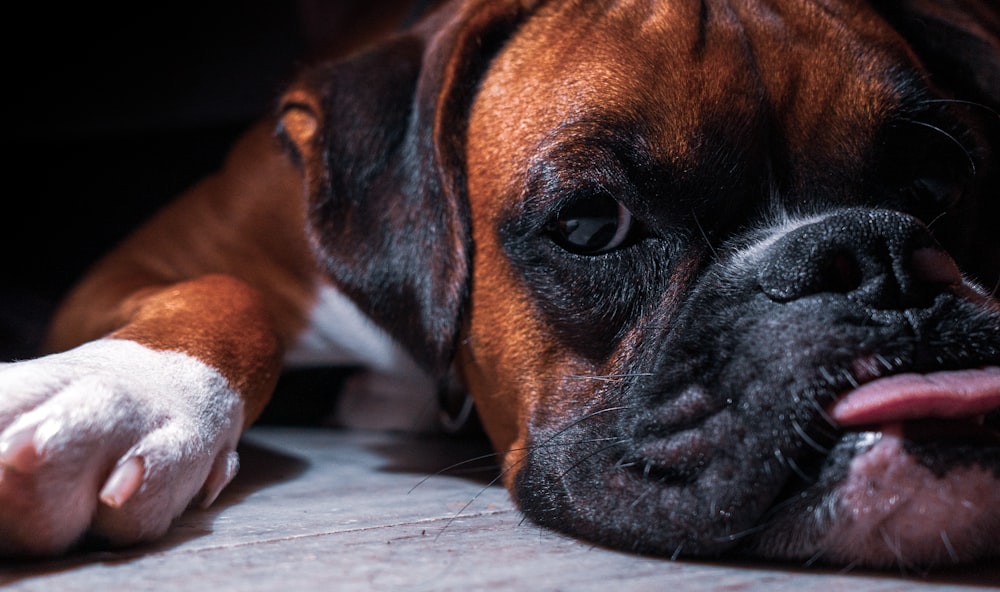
881, 259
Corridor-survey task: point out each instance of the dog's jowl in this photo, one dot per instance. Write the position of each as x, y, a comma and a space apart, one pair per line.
721, 278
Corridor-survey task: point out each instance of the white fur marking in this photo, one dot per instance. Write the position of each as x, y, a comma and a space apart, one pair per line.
338, 333
393, 394
109, 403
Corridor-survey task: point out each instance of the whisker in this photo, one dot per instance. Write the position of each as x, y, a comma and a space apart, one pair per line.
791, 464
493, 455
894, 548
735, 536
948, 547
529, 450
936, 219
976, 104
885, 362
815, 558
624, 464
584, 418
607, 377
780, 507
794, 465
465, 507
594, 453
807, 439
850, 379
639, 498
953, 139
452, 467
496, 479
708, 242
822, 412
827, 376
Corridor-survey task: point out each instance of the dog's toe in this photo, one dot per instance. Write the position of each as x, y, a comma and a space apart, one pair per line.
38, 514
157, 480
117, 447
58, 467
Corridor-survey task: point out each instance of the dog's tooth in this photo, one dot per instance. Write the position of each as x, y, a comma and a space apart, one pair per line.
123, 482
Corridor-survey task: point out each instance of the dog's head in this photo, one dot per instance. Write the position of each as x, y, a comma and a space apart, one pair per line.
720, 276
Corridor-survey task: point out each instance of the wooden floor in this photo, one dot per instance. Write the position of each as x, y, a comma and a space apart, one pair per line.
318, 509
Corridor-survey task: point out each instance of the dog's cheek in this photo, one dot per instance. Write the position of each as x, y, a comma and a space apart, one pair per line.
508, 357
502, 358
498, 413
507, 353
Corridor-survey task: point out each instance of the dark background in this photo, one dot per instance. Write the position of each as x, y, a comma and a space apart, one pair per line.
112, 111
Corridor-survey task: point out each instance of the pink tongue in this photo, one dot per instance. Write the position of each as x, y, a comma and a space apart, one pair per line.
964, 393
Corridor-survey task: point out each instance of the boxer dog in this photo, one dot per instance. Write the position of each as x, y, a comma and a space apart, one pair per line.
719, 276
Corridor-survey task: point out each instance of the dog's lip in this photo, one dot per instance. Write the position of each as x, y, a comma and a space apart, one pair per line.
902, 397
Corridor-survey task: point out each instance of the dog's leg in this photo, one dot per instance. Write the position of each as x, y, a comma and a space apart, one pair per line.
183, 329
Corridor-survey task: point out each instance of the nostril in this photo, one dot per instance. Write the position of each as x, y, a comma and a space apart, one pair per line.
798, 273
844, 275
877, 259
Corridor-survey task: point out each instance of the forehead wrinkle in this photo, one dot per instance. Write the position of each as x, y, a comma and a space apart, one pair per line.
655, 18
823, 46
692, 72
603, 76
697, 83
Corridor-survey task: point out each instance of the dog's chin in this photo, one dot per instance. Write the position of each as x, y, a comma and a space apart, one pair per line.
912, 494
897, 509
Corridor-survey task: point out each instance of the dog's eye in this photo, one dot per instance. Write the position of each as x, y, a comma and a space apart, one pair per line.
591, 226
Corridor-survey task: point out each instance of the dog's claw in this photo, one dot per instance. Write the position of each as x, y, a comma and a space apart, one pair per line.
124, 481
227, 464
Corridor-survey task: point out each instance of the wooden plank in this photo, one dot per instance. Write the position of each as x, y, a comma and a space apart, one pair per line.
325, 509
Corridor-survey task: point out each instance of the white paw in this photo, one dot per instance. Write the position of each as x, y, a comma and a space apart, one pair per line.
112, 439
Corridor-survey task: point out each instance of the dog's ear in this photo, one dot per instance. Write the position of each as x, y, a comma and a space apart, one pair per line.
380, 137
958, 40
